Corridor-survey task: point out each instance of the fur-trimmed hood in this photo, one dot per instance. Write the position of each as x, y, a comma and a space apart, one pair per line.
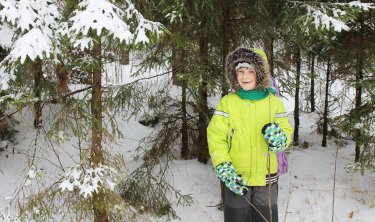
251, 57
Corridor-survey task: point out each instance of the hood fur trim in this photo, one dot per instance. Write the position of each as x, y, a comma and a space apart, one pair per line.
246, 55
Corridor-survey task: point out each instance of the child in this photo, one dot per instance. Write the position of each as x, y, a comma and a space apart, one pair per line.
246, 131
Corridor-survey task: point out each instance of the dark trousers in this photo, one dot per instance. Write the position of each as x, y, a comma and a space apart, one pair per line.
238, 209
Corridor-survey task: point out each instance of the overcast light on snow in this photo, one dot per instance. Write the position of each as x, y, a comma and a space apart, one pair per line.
33, 44
6, 34
305, 193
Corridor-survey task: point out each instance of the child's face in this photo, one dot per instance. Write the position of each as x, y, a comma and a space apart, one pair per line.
247, 78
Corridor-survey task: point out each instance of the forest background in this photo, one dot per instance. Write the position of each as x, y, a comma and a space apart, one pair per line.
63, 61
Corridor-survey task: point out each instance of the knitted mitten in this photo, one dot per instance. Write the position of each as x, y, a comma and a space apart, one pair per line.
226, 173
274, 136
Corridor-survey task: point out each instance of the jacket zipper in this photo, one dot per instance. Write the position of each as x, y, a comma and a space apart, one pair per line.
230, 140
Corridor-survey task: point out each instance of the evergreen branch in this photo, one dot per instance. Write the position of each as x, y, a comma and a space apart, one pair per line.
66, 95
56, 99
141, 79
9, 114
53, 100
244, 18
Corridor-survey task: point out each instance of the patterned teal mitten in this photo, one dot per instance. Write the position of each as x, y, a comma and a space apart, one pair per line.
275, 137
226, 173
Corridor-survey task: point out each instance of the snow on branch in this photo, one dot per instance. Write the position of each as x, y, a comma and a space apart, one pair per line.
174, 13
331, 16
88, 180
143, 24
9, 13
33, 44
100, 15
6, 34
321, 19
7, 215
36, 22
360, 5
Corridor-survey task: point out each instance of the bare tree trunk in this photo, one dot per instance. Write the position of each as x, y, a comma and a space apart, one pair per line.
296, 98
177, 58
202, 100
60, 68
358, 91
312, 83
203, 122
38, 78
287, 58
98, 200
62, 75
178, 67
226, 12
269, 50
272, 59
325, 115
225, 5
184, 128
124, 57
358, 102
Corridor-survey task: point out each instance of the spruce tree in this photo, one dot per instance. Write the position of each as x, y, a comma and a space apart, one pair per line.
355, 59
80, 38
307, 23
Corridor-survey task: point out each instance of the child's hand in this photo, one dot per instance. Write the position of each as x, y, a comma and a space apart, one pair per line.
275, 137
226, 172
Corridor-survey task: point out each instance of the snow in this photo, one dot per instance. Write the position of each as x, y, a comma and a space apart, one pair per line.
33, 44
10, 13
84, 43
88, 180
363, 6
38, 25
99, 15
358, 126
6, 34
322, 20
5, 78
35, 21
30, 175
305, 192
330, 16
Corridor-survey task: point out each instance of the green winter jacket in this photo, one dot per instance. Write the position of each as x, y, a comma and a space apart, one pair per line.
234, 135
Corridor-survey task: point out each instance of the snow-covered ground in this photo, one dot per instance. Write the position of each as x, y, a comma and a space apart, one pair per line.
305, 192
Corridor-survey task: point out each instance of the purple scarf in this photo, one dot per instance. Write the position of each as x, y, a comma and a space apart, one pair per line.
281, 156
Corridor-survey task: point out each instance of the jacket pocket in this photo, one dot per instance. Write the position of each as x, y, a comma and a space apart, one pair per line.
231, 139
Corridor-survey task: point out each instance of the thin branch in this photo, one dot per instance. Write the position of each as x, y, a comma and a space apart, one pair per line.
334, 181
66, 95
141, 79
53, 100
289, 190
10, 114
47, 101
